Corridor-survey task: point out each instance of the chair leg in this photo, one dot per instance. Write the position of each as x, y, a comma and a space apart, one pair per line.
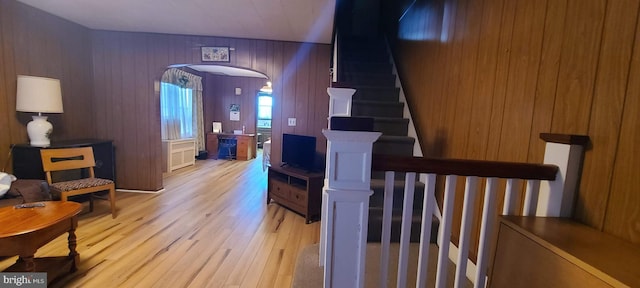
91, 202
63, 197
112, 198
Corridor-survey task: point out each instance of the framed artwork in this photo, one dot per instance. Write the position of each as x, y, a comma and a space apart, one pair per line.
215, 54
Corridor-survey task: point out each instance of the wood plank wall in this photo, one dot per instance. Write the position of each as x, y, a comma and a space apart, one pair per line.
126, 66
219, 94
484, 77
110, 84
39, 44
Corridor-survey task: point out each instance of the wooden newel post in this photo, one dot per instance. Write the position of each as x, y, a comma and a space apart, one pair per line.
557, 197
345, 207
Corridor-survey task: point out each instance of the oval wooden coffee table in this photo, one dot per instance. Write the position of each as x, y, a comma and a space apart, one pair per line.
24, 230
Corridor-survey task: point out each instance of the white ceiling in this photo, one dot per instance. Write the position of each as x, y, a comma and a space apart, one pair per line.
286, 20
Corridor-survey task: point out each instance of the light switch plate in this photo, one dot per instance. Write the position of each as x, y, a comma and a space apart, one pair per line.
292, 121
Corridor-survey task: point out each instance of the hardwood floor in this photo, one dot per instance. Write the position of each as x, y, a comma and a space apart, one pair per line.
210, 227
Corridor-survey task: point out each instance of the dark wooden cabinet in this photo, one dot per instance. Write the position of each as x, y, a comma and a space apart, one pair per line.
27, 163
296, 190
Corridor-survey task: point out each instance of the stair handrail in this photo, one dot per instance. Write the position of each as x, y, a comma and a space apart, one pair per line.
463, 167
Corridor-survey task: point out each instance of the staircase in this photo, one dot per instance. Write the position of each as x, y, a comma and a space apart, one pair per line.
365, 66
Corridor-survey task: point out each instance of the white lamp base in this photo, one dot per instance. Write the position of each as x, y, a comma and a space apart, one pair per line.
39, 130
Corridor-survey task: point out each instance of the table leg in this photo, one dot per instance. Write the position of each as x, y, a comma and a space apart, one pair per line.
73, 254
29, 264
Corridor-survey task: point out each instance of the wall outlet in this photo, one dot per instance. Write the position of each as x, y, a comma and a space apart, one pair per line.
292, 121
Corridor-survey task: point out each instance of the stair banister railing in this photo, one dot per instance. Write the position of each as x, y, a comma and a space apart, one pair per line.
345, 240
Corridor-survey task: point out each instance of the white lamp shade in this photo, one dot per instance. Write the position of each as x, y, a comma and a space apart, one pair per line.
38, 94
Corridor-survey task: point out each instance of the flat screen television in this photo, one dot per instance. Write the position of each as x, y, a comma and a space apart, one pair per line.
299, 151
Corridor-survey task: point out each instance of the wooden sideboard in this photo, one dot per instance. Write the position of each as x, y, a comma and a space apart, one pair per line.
245, 146
559, 252
27, 163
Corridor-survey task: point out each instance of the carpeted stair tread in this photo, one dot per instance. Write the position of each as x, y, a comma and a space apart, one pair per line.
378, 103
391, 126
308, 274
377, 109
399, 139
360, 65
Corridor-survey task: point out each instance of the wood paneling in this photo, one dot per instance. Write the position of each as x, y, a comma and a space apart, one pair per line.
219, 94
484, 78
132, 62
36, 43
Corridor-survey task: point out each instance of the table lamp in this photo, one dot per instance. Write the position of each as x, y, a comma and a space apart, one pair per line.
41, 95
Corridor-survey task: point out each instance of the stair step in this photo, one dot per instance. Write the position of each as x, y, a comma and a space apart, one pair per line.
372, 93
366, 57
373, 79
377, 109
391, 126
394, 145
378, 79
366, 66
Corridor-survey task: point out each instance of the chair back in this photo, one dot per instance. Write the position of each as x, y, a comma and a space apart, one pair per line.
67, 159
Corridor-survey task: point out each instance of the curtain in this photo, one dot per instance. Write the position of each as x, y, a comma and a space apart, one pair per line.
181, 106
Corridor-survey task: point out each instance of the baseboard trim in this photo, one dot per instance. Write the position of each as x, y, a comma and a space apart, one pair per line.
141, 191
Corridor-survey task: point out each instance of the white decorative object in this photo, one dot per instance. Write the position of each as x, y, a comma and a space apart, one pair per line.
217, 127
5, 182
345, 206
41, 95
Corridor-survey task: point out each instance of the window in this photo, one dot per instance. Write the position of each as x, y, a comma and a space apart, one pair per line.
176, 110
265, 102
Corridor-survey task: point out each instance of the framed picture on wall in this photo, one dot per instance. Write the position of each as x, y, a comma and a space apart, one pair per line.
215, 54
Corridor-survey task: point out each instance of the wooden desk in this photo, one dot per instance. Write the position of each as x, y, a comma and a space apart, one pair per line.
558, 252
246, 145
23, 231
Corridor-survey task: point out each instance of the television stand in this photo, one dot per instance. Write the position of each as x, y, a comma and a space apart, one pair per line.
297, 190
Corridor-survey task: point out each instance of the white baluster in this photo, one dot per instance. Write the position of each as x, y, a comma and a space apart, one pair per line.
445, 231
405, 233
429, 202
486, 228
531, 198
510, 196
387, 209
465, 230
